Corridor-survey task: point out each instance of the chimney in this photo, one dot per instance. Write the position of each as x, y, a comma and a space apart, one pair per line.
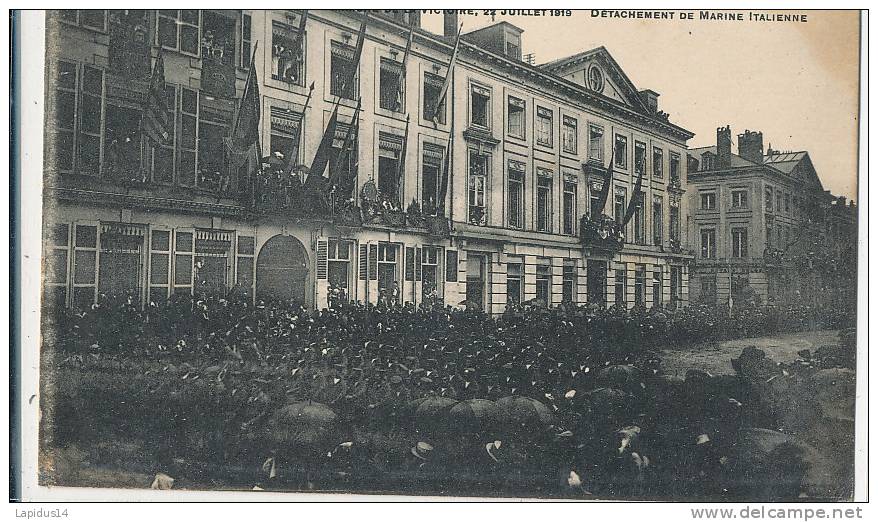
724, 147
750, 146
451, 23
650, 98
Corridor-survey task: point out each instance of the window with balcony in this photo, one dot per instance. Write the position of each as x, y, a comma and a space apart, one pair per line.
341, 61
619, 205
594, 202
620, 158
595, 143
708, 243
674, 222
284, 138
544, 200
432, 89
739, 242
569, 202
179, 30
544, 126
570, 135
480, 103
389, 149
391, 94
287, 54
515, 195
477, 186
658, 162
431, 172
657, 220
515, 122
639, 158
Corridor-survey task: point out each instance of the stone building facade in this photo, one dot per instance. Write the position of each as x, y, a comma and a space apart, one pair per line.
526, 149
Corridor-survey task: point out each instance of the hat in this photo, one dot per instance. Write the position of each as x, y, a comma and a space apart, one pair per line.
421, 450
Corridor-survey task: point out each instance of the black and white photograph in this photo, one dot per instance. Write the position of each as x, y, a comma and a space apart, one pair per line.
533, 254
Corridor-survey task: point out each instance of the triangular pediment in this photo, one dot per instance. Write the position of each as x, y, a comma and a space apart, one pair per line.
597, 71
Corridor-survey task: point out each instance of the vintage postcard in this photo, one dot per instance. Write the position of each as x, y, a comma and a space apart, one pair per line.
523, 253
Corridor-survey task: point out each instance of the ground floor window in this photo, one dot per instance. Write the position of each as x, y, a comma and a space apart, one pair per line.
708, 288
619, 287
514, 281
568, 282
596, 277
245, 264
475, 281
120, 269
388, 278
676, 286
430, 269
57, 267
544, 282
657, 286
639, 285
212, 252
339, 270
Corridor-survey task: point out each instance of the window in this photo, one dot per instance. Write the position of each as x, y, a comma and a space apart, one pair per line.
595, 143
159, 266
596, 280
786, 203
213, 127
57, 267
244, 262
478, 179
515, 195
657, 162
120, 267
570, 136
339, 267
544, 200
619, 205
451, 266
620, 287
568, 282
569, 204
513, 46
213, 250
90, 116
246, 40
739, 242
639, 222
88, 18
480, 100
594, 202
657, 276
217, 38
430, 173
287, 54
768, 199
340, 63
179, 30
163, 155
708, 243
620, 157
388, 279
391, 95
779, 201
515, 123
344, 166
514, 281
543, 124
639, 158
676, 286
65, 114
708, 201
674, 219
707, 161
389, 149
639, 285
85, 265
285, 128
657, 220
674, 167
739, 199
475, 280
708, 288
184, 248
432, 259
769, 240
432, 89
544, 281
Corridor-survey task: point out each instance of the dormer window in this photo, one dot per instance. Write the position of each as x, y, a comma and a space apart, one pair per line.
513, 46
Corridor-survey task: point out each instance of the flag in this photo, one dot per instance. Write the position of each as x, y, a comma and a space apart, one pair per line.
348, 81
636, 199
446, 172
605, 191
321, 157
155, 120
443, 92
400, 87
400, 165
347, 146
245, 132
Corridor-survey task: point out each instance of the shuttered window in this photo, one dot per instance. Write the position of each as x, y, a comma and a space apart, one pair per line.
364, 262
373, 262
409, 264
451, 266
321, 259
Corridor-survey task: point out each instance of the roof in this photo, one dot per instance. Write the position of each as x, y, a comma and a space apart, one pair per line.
784, 161
502, 22
737, 161
560, 62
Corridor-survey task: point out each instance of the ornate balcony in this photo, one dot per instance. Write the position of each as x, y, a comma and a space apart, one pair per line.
278, 191
602, 233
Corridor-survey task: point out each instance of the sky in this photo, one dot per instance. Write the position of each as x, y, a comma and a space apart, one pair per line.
795, 82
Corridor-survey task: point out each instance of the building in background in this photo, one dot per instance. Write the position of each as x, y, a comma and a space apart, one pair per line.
765, 228
507, 183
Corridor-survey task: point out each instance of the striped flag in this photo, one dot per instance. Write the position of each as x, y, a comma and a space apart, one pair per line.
443, 92
347, 147
321, 157
400, 165
605, 190
155, 120
245, 133
636, 200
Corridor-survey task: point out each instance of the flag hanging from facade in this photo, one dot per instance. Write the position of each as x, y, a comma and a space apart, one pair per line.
155, 120
605, 190
400, 165
636, 199
400, 86
324, 150
443, 92
446, 172
348, 80
129, 49
245, 132
346, 149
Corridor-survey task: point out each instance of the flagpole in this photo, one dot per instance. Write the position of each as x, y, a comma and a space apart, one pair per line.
251, 72
298, 145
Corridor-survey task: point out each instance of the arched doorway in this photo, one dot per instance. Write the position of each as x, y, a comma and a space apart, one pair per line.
282, 270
